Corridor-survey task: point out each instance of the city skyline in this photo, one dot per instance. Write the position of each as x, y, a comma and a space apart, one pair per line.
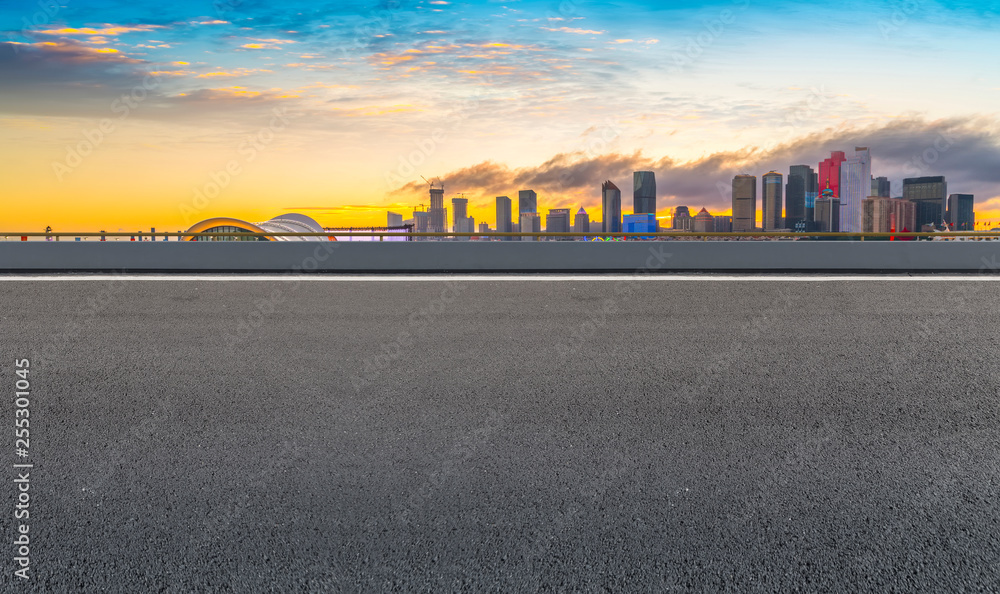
130, 116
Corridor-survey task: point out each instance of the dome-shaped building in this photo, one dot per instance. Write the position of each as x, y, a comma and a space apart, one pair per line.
286, 223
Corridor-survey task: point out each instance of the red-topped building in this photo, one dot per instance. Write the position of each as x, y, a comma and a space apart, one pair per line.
829, 172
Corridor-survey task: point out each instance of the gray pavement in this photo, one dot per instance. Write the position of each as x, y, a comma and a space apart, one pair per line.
506, 436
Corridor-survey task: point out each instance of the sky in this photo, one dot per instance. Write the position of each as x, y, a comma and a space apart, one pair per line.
130, 115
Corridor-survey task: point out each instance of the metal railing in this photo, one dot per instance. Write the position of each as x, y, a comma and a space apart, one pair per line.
948, 235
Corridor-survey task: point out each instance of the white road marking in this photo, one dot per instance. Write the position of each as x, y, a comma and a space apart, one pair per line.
336, 278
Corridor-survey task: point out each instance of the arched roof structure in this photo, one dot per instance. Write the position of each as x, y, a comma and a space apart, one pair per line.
286, 223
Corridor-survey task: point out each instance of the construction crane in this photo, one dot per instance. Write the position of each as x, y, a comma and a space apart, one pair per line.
431, 184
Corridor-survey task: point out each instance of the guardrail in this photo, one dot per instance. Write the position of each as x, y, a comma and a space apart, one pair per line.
634, 235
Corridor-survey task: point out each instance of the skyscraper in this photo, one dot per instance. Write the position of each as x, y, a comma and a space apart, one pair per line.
581, 222
421, 220
772, 201
643, 192
961, 215
437, 216
394, 219
744, 203
880, 187
829, 172
855, 184
503, 216
557, 221
530, 222
527, 201
930, 195
459, 208
611, 208
800, 195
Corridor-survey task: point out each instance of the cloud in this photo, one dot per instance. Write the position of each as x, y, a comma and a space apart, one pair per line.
107, 29
574, 30
965, 150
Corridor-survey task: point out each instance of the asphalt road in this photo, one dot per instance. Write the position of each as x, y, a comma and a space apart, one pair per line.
505, 436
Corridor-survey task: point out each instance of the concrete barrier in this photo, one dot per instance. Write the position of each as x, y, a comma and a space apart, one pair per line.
482, 256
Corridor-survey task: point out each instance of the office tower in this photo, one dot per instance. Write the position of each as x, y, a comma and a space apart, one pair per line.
421, 220
557, 221
503, 217
438, 217
530, 222
682, 221
886, 215
880, 187
581, 222
459, 212
643, 192
723, 224
829, 173
930, 195
961, 215
484, 227
611, 208
772, 203
704, 222
744, 203
828, 212
800, 195
855, 183
527, 201
394, 220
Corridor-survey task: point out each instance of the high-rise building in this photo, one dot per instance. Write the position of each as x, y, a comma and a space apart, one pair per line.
961, 215
394, 219
421, 220
828, 212
557, 221
611, 208
704, 222
503, 216
801, 192
459, 212
771, 197
527, 201
880, 187
723, 224
829, 172
930, 195
855, 184
643, 192
529, 222
744, 203
581, 222
683, 221
887, 215
438, 216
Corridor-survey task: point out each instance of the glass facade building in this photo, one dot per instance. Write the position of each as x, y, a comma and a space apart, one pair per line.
930, 194
643, 192
855, 185
772, 201
611, 205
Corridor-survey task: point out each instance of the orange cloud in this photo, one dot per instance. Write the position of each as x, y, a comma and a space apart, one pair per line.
105, 30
